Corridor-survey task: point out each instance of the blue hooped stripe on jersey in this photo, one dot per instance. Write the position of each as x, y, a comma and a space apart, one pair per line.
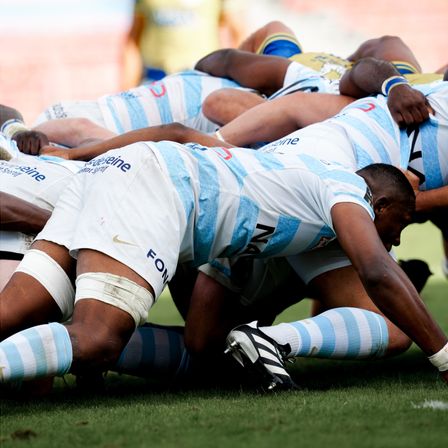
115, 115
326, 234
192, 90
163, 104
431, 162
405, 149
353, 333
325, 172
245, 225
223, 268
363, 158
285, 231
179, 175
136, 112
371, 136
383, 117
359, 199
269, 161
235, 166
433, 87
207, 214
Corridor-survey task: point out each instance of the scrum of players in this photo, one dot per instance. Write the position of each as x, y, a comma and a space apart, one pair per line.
244, 186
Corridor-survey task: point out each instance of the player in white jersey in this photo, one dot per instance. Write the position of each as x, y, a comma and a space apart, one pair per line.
175, 98
165, 208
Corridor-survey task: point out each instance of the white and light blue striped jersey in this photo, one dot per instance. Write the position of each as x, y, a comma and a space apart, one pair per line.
364, 132
429, 143
8, 148
37, 180
175, 98
240, 202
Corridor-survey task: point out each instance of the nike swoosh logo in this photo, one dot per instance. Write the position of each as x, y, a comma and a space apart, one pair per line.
115, 239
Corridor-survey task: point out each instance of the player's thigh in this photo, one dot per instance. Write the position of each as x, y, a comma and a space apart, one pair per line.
7, 268
33, 294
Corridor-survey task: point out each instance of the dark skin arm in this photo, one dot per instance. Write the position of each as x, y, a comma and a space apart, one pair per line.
22, 216
388, 48
408, 106
385, 282
174, 132
261, 72
428, 200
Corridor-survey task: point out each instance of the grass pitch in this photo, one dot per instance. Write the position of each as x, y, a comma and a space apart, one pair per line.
398, 402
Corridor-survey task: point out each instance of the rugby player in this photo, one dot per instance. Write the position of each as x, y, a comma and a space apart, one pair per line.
179, 97
126, 253
273, 62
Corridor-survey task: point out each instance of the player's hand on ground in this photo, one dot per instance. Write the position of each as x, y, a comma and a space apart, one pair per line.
31, 142
409, 107
55, 151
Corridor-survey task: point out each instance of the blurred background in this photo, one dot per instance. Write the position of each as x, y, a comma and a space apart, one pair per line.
55, 50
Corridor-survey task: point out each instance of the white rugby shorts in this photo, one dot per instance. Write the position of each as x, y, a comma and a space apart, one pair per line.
123, 205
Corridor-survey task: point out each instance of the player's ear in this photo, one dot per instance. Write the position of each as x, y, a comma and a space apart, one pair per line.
380, 204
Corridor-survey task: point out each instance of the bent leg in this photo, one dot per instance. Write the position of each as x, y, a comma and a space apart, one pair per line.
343, 288
31, 297
348, 326
255, 41
97, 334
224, 105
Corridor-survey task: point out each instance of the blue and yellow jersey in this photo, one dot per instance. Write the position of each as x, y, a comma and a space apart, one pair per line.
328, 65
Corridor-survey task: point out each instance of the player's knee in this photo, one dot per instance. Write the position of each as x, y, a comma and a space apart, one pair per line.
94, 349
276, 26
398, 342
390, 40
212, 105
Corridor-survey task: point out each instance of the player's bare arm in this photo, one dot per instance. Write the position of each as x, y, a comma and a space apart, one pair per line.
20, 215
372, 76
261, 72
174, 132
388, 48
73, 132
277, 118
385, 282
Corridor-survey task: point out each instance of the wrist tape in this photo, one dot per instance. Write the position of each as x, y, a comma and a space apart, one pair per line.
389, 83
12, 127
440, 359
219, 136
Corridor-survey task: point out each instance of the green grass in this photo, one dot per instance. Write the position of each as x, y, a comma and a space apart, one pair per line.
345, 404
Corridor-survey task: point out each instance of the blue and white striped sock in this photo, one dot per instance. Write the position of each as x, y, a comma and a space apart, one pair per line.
341, 333
45, 350
155, 351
